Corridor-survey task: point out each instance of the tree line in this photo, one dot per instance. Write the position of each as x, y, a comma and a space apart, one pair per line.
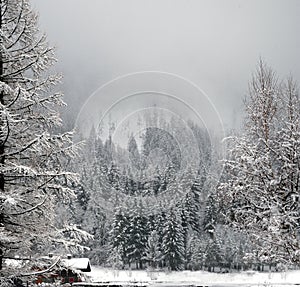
162, 220
249, 218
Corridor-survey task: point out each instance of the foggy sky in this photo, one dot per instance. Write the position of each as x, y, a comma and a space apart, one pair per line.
215, 44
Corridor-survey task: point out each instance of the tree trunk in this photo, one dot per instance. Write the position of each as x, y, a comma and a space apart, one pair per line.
141, 264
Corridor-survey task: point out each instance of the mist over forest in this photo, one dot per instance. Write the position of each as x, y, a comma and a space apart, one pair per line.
215, 45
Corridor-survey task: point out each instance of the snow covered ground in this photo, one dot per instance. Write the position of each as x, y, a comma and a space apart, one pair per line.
198, 278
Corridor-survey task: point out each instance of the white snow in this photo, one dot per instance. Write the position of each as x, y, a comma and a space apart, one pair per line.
10, 201
77, 263
177, 278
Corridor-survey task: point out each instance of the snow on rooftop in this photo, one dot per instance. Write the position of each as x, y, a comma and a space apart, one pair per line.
77, 263
14, 263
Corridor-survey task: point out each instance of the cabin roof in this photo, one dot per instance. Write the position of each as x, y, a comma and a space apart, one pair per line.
77, 263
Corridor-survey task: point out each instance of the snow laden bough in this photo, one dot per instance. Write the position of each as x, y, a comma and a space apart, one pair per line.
33, 153
260, 190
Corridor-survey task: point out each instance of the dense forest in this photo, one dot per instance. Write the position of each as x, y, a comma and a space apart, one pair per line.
145, 211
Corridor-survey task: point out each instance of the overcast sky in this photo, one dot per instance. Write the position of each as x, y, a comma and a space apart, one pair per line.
215, 44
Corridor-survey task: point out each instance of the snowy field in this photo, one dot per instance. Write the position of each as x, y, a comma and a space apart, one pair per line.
197, 278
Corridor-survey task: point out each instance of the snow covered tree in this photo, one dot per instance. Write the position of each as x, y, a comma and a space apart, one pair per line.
137, 235
113, 176
134, 154
197, 252
261, 189
32, 155
96, 221
210, 215
119, 233
288, 146
160, 220
173, 241
115, 259
192, 204
153, 254
214, 256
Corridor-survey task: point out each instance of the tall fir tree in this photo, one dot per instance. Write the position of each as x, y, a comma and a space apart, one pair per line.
119, 234
137, 235
173, 241
153, 254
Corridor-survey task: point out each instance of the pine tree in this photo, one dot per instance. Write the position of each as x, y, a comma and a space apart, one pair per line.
115, 259
185, 233
113, 176
137, 235
196, 251
134, 154
153, 253
210, 216
192, 204
160, 220
120, 233
214, 255
173, 241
